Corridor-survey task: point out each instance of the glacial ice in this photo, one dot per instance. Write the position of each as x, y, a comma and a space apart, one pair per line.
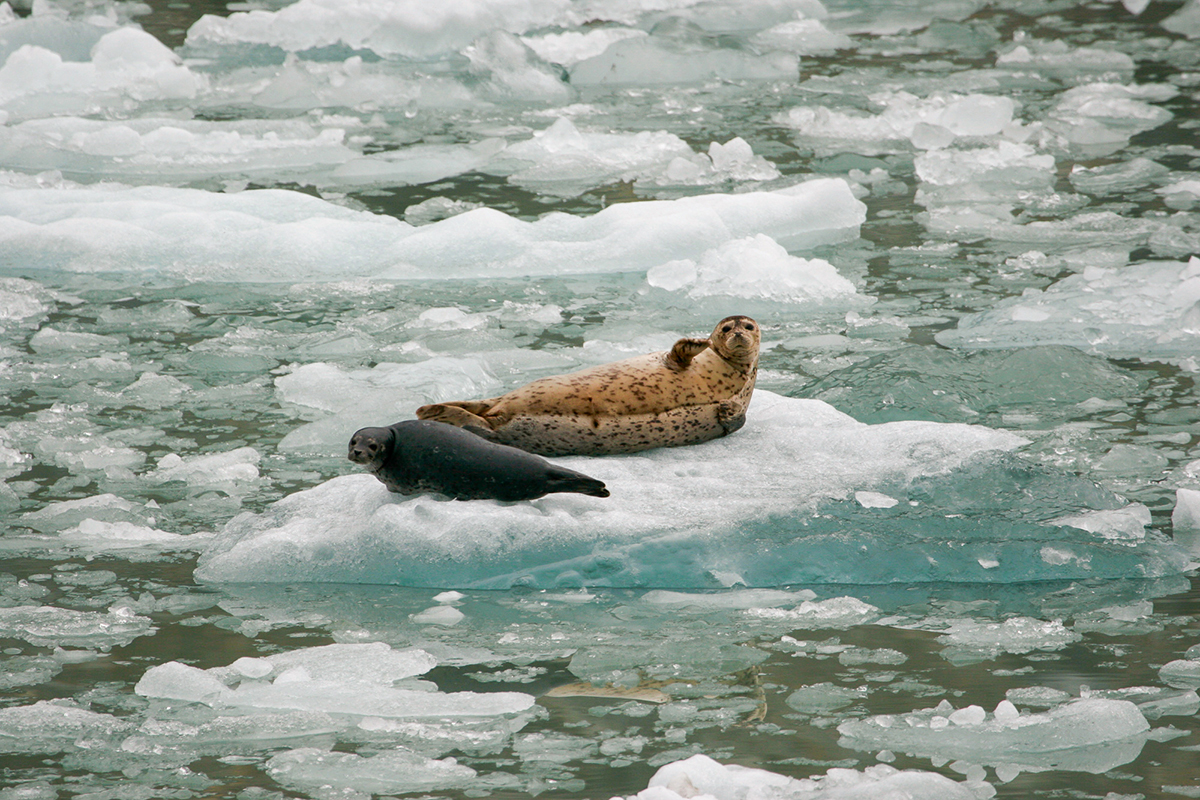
1149, 311
703, 777
346, 776
905, 119
564, 161
275, 235
1087, 735
806, 460
49, 626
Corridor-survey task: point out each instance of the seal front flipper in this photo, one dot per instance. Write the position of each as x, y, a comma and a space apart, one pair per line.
731, 415
682, 353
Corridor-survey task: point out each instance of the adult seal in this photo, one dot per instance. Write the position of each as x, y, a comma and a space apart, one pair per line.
417, 457
697, 391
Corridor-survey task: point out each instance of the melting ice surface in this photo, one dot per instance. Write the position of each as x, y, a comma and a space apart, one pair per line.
949, 556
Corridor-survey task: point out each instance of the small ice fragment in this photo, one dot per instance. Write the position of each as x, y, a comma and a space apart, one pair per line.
439, 615
971, 715
875, 500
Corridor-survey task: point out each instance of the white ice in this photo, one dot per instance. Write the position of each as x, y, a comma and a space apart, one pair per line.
968, 641
563, 160
659, 60
756, 268
276, 235
1149, 311
1185, 519
354, 681
904, 121
126, 65
1089, 735
702, 777
347, 776
393, 28
48, 626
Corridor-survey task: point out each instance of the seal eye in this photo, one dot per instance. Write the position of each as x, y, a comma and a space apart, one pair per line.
749, 327
372, 447
726, 329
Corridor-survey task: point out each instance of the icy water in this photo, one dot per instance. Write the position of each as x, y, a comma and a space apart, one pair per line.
951, 554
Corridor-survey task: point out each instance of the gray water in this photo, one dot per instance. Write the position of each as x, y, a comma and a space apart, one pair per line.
176, 362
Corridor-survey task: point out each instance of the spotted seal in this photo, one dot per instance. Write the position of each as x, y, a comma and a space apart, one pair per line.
416, 457
696, 391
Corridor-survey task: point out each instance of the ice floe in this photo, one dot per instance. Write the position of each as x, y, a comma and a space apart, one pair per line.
804, 460
277, 235
701, 776
1088, 735
1149, 311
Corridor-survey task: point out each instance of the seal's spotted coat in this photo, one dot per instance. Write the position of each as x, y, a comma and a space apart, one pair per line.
699, 390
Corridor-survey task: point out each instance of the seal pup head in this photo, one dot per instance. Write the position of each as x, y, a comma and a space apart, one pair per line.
736, 339
371, 447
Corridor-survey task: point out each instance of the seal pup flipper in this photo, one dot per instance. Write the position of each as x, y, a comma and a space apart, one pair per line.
731, 415
682, 353
467, 413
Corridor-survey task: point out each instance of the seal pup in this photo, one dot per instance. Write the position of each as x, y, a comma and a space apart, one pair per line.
415, 457
697, 391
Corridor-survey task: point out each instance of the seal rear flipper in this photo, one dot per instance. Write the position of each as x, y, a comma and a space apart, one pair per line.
684, 351
462, 415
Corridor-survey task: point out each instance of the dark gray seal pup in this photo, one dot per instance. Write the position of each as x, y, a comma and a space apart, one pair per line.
418, 456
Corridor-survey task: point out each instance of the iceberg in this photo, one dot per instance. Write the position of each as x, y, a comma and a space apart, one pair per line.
677, 520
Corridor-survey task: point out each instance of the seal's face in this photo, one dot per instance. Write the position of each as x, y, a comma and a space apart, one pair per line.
371, 447
736, 339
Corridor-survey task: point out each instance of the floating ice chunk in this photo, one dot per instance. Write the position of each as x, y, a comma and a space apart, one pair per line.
324, 774
968, 641
437, 208
570, 47
47, 626
415, 164
274, 235
755, 268
1101, 117
234, 467
126, 64
1155, 701
1057, 60
657, 60
738, 598
153, 149
95, 536
702, 777
1137, 311
439, 615
905, 117
804, 37
982, 174
837, 612
822, 698
371, 662
1089, 735
507, 70
177, 681
1185, 21
1182, 673
875, 500
152, 390
52, 340
97, 508
1185, 519
56, 726
799, 452
567, 161
1128, 523
389, 29
1117, 178
387, 390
